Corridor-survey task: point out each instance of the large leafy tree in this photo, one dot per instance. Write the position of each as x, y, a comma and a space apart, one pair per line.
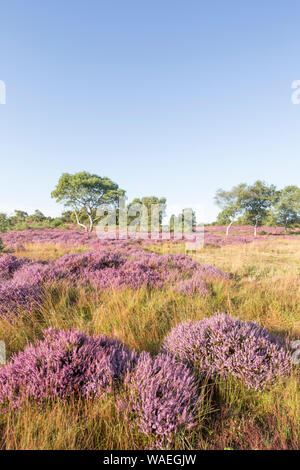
287, 208
84, 193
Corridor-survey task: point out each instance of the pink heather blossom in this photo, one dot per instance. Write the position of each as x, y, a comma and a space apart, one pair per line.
161, 397
118, 265
223, 346
64, 363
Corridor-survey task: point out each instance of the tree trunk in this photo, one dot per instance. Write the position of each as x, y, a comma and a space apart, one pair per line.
255, 227
78, 223
228, 228
91, 223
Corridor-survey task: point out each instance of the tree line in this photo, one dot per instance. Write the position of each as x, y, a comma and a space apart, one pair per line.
259, 204
83, 193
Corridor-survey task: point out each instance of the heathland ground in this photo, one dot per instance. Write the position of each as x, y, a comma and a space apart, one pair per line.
263, 287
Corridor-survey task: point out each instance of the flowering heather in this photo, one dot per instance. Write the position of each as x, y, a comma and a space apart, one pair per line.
75, 266
196, 283
9, 264
33, 273
192, 286
132, 274
211, 272
15, 295
213, 235
223, 346
20, 283
216, 235
161, 395
15, 239
124, 264
62, 364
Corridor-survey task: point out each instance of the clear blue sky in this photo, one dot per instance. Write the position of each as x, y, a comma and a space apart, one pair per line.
166, 97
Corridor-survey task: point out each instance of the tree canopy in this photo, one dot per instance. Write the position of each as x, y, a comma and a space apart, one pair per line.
138, 204
287, 207
84, 193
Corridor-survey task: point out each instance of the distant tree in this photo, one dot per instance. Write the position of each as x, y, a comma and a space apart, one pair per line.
19, 217
149, 204
230, 202
4, 222
287, 208
256, 201
186, 219
84, 193
1, 246
38, 216
251, 202
68, 217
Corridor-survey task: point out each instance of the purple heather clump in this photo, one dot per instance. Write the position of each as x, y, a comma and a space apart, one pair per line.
132, 274
160, 396
181, 262
192, 286
223, 346
15, 295
9, 265
64, 363
34, 273
128, 266
208, 271
15, 239
20, 284
118, 264
74, 266
136, 274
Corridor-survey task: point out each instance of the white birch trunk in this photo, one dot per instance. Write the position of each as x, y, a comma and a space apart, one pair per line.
78, 223
228, 228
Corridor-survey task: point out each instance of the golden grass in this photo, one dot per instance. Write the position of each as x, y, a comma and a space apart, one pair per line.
47, 251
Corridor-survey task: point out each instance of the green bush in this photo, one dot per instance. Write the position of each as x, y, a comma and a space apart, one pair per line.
4, 222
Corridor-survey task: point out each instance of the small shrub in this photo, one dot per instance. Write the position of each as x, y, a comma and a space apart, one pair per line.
64, 363
192, 286
9, 264
16, 295
161, 395
223, 346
